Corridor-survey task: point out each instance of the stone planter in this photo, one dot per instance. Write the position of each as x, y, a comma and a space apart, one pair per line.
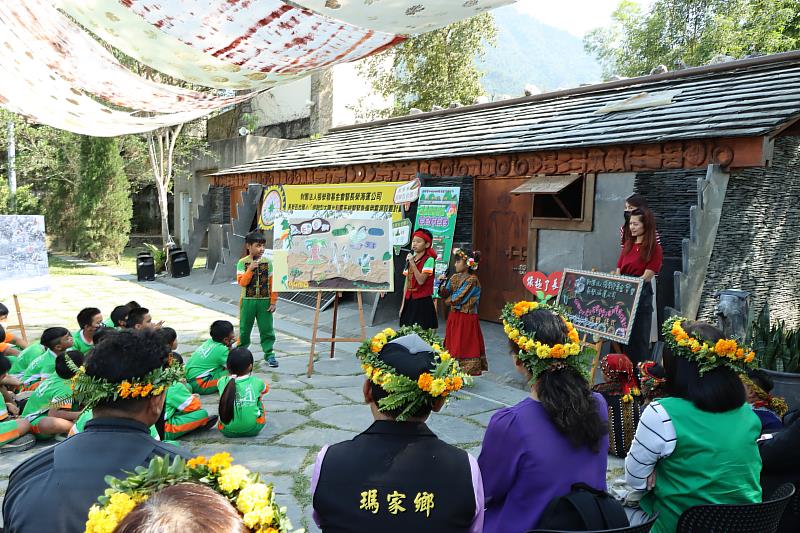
787, 384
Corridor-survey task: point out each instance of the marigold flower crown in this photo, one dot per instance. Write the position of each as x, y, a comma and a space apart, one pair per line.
537, 356
471, 263
404, 393
254, 500
725, 352
89, 391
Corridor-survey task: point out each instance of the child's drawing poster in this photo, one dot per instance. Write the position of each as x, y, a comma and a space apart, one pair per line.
23, 254
335, 254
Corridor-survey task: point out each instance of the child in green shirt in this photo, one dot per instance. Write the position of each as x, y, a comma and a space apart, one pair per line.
89, 319
183, 411
257, 304
50, 409
207, 363
241, 405
118, 318
56, 341
87, 414
11, 428
20, 363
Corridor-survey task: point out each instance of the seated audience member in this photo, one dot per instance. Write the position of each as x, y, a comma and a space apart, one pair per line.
181, 508
241, 397
8, 380
208, 362
652, 379
557, 437
10, 344
781, 464
56, 341
183, 412
13, 430
118, 318
102, 333
124, 381
769, 409
397, 475
89, 320
20, 363
50, 408
139, 318
133, 304
624, 402
698, 446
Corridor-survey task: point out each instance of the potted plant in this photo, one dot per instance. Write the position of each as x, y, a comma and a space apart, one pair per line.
778, 350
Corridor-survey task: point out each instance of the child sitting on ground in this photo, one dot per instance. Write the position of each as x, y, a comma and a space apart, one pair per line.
207, 364
56, 341
50, 409
8, 380
89, 320
183, 412
10, 344
11, 428
769, 409
241, 405
118, 318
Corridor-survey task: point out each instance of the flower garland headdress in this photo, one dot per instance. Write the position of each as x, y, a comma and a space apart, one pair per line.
537, 356
470, 260
774, 403
725, 352
254, 500
89, 390
404, 393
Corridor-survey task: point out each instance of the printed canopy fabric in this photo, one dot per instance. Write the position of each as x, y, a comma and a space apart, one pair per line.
38, 32
401, 17
227, 44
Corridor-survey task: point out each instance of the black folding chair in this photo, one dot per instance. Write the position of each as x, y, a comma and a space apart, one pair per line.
748, 518
641, 528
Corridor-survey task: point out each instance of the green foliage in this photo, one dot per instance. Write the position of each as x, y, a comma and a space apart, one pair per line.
434, 68
159, 256
25, 201
692, 31
777, 347
104, 203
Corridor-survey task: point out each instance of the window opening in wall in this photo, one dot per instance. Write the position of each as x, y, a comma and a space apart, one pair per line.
563, 201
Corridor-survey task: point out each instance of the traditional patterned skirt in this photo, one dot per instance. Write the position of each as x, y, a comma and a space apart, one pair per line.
464, 340
623, 417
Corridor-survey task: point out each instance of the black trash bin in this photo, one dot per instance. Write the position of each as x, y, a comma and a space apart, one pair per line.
178, 263
145, 267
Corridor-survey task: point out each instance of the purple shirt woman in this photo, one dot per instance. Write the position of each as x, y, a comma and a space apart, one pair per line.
536, 450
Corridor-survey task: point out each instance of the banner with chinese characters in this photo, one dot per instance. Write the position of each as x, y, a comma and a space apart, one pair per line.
436, 212
284, 201
600, 304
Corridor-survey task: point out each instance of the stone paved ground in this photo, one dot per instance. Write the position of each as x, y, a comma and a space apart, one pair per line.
303, 414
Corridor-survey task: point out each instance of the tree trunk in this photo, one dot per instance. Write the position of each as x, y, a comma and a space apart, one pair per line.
161, 149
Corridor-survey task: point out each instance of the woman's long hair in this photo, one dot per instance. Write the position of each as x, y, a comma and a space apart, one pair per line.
717, 390
563, 392
239, 361
649, 238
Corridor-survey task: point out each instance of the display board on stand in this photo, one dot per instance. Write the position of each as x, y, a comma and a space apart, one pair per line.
23, 260
601, 305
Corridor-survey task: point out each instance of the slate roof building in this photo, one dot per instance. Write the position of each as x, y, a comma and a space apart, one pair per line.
715, 149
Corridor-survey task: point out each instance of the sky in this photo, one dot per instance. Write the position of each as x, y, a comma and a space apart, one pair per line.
575, 16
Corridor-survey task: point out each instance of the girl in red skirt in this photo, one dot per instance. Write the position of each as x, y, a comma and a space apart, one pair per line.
462, 292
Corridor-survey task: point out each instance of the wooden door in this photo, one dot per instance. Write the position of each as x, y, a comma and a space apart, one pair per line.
501, 234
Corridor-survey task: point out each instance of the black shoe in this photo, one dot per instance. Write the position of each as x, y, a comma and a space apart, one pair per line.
25, 442
211, 424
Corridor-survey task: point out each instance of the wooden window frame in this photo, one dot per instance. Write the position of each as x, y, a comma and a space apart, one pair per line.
585, 223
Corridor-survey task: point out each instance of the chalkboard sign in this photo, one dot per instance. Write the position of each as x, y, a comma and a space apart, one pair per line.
600, 304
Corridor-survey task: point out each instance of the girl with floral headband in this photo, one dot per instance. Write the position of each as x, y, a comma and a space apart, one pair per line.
462, 292
417, 307
698, 445
536, 450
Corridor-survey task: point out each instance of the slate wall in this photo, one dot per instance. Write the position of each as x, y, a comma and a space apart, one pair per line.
757, 248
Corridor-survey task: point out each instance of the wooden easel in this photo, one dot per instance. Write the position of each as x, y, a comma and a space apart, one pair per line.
598, 347
333, 339
20, 324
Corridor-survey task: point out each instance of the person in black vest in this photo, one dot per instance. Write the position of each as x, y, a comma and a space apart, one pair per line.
124, 380
397, 476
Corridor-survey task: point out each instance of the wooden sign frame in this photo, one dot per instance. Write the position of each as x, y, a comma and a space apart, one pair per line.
333, 339
613, 277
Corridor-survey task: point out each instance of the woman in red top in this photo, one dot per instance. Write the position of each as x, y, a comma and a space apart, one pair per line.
641, 257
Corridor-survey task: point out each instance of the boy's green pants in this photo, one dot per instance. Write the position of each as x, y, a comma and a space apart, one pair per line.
256, 310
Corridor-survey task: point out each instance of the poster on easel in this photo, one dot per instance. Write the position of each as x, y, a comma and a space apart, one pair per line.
437, 211
344, 254
23, 255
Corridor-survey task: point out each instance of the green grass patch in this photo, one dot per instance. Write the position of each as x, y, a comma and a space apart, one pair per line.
58, 266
